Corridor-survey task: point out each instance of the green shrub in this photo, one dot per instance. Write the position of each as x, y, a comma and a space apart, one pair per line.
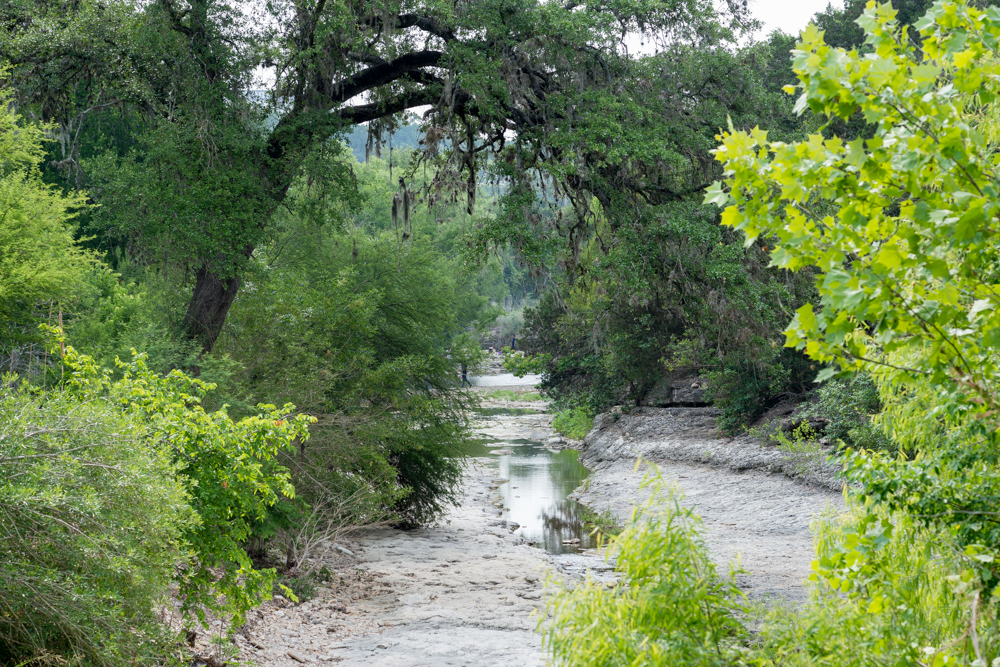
850, 404
362, 344
521, 364
93, 519
605, 523
886, 592
227, 469
574, 423
669, 608
41, 264
297, 588
742, 391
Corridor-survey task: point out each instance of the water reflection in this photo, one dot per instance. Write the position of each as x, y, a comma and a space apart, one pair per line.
535, 496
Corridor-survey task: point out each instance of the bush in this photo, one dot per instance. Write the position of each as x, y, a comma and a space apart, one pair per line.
521, 364
670, 606
886, 592
112, 489
742, 392
850, 404
574, 423
362, 345
93, 518
41, 264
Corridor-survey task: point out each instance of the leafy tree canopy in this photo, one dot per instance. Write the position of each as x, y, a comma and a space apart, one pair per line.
558, 77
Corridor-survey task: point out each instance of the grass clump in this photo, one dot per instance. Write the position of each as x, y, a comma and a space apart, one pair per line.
511, 395
573, 423
605, 523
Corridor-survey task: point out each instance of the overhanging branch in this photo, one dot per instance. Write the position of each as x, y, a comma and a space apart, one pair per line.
380, 75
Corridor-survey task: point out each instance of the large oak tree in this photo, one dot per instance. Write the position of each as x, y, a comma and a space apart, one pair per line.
552, 88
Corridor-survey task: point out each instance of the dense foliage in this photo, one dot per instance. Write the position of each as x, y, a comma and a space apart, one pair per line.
115, 488
40, 262
339, 319
91, 531
902, 234
648, 283
900, 227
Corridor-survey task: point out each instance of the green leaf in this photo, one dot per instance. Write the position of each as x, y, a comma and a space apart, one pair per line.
716, 195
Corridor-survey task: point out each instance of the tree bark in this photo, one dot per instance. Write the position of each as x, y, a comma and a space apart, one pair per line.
210, 303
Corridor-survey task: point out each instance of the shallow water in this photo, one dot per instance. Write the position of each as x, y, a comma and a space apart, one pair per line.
535, 496
487, 412
540, 478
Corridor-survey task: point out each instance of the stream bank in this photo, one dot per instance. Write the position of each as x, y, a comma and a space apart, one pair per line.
756, 501
467, 591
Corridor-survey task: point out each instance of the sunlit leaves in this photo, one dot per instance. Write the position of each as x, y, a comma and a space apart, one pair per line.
39, 258
911, 244
227, 468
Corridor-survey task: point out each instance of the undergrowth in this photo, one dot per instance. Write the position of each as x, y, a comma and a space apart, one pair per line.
573, 423
605, 523
669, 607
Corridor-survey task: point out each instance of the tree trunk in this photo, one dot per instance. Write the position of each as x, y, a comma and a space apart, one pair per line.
209, 306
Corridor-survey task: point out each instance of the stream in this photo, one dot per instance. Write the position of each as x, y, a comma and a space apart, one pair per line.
539, 479
504, 380
466, 591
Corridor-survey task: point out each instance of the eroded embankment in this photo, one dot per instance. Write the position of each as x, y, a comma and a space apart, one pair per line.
756, 501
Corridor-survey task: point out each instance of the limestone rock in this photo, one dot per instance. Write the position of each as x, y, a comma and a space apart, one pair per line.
689, 392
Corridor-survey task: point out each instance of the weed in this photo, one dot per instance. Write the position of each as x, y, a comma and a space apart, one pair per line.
604, 523
303, 587
574, 423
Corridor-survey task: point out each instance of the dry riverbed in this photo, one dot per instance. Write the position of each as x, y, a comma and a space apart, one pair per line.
465, 591
469, 590
756, 501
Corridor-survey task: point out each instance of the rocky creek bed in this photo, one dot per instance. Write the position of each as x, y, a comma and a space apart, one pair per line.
756, 501
469, 589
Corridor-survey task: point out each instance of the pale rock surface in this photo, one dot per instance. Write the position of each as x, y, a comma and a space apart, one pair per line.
467, 592
756, 501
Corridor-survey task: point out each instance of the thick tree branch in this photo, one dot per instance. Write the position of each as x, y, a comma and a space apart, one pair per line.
368, 112
367, 58
176, 17
425, 23
380, 75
